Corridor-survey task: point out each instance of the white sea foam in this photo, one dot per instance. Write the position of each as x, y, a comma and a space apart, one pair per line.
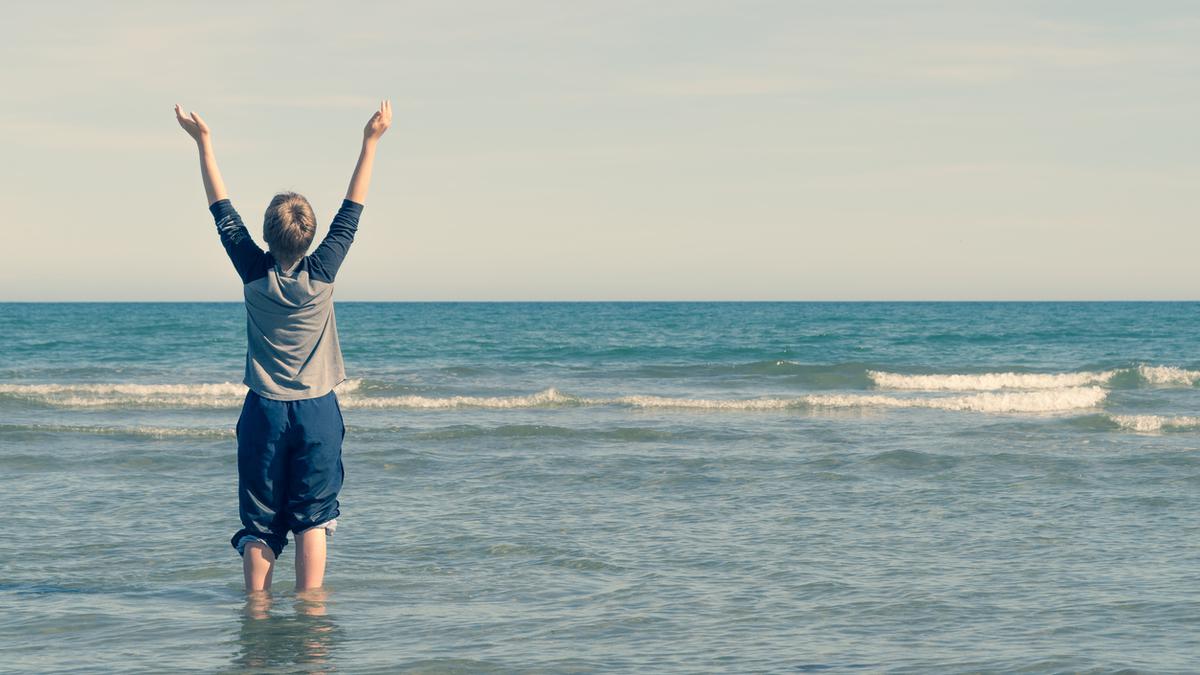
221, 389
1046, 400
1151, 375
702, 403
140, 430
1168, 375
225, 395
1151, 423
1070, 398
94, 395
988, 381
549, 397
139, 401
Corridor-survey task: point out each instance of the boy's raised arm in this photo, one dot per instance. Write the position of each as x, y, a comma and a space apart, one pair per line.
246, 256
214, 187
325, 261
361, 180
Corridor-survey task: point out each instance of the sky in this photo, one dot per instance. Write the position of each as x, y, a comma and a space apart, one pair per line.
615, 150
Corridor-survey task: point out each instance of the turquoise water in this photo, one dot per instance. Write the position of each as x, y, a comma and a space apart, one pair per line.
652, 487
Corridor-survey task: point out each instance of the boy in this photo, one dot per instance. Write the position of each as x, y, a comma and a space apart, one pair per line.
290, 430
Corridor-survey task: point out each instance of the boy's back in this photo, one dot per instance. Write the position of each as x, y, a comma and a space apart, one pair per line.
292, 342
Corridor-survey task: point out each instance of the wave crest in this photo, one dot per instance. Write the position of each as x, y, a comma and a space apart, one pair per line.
1049, 400
143, 431
1168, 375
1072, 398
1151, 423
547, 398
1117, 377
99, 395
987, 381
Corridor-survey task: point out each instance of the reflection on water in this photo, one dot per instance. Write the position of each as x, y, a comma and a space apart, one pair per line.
296, 638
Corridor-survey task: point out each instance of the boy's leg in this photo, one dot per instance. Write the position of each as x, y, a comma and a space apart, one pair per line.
258, 562
315, 476
262, 487
310, 558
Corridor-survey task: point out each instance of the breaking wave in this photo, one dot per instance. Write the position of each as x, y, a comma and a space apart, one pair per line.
543, 399
1143, 374
89, 395
228, 395
1168, 375
987, 381
1072, 398
127, 431
1061, 389
1151, 423
1038, 401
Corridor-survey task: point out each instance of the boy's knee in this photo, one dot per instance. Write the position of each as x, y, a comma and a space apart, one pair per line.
275, 548
329, 526
265, 551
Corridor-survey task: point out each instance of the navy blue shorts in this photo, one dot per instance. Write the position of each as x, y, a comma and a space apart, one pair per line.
289, 468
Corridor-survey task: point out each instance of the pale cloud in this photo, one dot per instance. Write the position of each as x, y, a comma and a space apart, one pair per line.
716, 84
964, 73
310, 101
88, 137
1043, 55
169, 137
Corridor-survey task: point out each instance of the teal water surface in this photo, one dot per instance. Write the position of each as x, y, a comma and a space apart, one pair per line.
650, 487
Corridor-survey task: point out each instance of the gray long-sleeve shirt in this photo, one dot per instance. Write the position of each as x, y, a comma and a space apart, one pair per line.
292, 342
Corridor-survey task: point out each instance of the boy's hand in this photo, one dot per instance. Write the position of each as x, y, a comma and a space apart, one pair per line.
193, 124
379, 122
214, 187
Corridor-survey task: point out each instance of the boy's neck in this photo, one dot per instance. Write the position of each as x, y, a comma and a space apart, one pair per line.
288, 267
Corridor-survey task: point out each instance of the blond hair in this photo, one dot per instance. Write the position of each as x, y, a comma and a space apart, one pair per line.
289, 226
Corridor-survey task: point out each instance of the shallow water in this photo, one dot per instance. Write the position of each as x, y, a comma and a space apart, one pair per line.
686, 487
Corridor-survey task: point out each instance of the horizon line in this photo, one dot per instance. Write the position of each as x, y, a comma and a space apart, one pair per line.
607, 301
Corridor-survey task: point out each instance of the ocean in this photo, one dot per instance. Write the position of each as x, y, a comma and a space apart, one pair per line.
637, 487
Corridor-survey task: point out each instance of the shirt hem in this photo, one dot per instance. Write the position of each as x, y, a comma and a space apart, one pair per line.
304, 397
